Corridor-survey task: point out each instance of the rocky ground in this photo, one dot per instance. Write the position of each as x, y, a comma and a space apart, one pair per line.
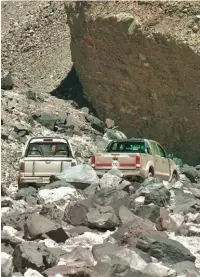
80, 225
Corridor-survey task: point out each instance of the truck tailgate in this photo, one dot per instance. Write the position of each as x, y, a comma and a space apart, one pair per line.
119, 161
45, 166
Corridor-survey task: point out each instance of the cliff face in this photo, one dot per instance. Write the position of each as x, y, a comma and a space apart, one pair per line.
139, 64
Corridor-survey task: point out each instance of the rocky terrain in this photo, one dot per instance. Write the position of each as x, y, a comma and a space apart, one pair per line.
80, 225
139, 63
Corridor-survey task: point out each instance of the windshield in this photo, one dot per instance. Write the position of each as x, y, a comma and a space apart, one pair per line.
127, 146
48, 149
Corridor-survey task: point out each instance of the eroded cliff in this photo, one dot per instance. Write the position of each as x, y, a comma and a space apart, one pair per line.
139, 64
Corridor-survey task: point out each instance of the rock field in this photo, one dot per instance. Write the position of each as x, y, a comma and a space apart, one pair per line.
80, 225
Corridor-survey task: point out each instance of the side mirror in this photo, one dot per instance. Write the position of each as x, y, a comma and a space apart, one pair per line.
170, 156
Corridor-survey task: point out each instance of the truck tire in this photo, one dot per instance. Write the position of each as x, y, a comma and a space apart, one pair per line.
21, 185
174, 178
151, 172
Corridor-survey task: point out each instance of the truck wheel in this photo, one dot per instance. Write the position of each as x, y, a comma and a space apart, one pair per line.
21, 185
151, 173
174, 178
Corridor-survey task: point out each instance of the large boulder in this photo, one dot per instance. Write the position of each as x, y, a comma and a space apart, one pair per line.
185, 202
119, 254
110, 197
37, 225
33, 255
78, 257
122, 58
53, 212
64, 270
114, 134
186, 268
83, 213
95, 122
16, 217
47, 120
25, 193
86, 240
159, 270
6, 81
151, 212
11, 236
110, 180
164, 249
191, 173
155, 192
83, 174
57, 195
129, 233
32, 273
6, 265
103, 218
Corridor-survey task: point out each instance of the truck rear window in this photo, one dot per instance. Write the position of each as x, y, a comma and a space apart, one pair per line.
127, 147
48, 150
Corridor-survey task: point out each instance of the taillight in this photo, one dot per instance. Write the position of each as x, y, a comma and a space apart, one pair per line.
93, 161
138, 161
22, 166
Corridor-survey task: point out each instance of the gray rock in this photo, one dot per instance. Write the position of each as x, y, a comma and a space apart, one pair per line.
25, 192
81, 255
6, 81
185, 203
83, 174
6, 265
125, 215
37, 225
31, 95
164, 249
114, 134
73, 271
107, 269
75, 213
191, 173
21, 130
155, 192
78, 230
6, 202
32, 273
85, 110
52, 212
16, 218
7, 248
109, 180
33, 255
159, 270
118, 255
102, 218
57, 184
95, 122
148, 212
186, 267
129, 233
47, 120
110, 197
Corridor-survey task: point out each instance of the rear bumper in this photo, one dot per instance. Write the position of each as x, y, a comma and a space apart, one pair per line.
34, 180
126, 173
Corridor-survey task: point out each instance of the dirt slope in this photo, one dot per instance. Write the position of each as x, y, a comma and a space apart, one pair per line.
35, 42
139, 64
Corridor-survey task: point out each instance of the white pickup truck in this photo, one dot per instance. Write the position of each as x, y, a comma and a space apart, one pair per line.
137, 159
43, 157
